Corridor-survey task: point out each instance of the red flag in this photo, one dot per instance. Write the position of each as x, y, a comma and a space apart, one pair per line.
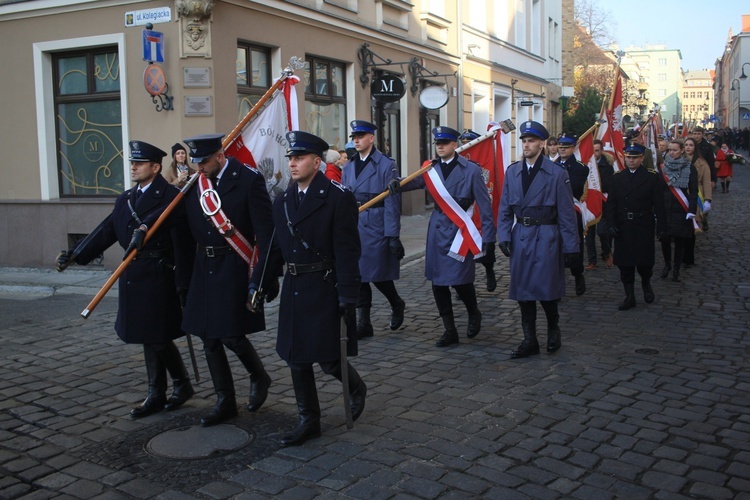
488, 154
591, 206
610, 131
262, 144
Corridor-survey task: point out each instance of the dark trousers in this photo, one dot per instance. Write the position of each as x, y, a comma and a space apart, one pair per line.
577, 268
680, 245
467, 293
387, 288
627, 273
605, 241
689, 257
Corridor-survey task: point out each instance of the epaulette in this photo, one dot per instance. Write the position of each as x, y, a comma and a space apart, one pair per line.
252, 169
652, 170
339, 185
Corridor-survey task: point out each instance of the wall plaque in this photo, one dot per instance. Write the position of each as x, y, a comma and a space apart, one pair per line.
196, 78
198, 105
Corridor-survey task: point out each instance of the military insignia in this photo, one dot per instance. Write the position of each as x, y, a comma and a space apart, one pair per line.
528, 125
338, 185
292, 138
136, 145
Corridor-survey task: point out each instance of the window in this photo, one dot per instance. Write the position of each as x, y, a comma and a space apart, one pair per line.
478, 15
692, 95
252, 84
520, 23
552, 29
536, 28
661, 92
501, 19
662, 77
325, 100
88, 122
700, 95
684, 95
692, 107
662, 61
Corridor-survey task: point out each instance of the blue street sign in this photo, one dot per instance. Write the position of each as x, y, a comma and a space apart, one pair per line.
153, 46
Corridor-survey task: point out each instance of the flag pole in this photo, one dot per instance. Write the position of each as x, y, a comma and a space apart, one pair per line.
424, 169
294, 63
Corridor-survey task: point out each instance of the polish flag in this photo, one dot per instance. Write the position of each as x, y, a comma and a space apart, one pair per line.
590, 206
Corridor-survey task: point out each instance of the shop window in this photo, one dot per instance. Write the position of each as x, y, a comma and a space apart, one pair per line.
325, 100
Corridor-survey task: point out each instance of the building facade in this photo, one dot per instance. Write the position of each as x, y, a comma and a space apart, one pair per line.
698, 97
732, 91
660, 69
81, 88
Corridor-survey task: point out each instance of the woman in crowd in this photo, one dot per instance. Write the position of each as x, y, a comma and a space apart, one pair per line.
724, 167
680, 185
178, 172
552, 153
704, 192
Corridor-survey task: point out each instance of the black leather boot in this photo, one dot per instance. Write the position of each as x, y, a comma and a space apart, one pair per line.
259, 379
629, 301
308, 407
530, 344
666, 270
475, 323
364, 327
182, 389
221, 376
491, 279
676, 273
648, 292
553, 332
580, 284
157, 385
357, 389
397, 314
451, 334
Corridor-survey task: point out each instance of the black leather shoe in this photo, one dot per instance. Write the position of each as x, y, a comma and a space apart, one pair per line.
358, 400
665, 271
397, 315
258, 392
491, 281
224, 410
181, 392
304, 431
526, 349
364, 330
626, 304
152, 404
648, 293
447, 339
553, 339
475, 324
580, 285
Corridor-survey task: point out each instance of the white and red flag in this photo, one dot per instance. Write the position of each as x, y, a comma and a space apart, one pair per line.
590, 205
262, 144
610, 130
488, 154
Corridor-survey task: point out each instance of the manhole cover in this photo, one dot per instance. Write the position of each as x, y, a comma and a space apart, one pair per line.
647, 351
193, 442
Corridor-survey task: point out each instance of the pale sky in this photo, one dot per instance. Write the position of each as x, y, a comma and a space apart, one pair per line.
698, 28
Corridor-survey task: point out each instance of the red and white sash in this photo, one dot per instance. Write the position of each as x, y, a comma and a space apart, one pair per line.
468, 237
681, 198
211, 206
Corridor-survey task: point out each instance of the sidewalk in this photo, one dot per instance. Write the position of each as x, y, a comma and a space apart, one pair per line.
35, 283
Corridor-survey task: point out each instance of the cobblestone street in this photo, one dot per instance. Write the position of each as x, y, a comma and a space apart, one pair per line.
653, 402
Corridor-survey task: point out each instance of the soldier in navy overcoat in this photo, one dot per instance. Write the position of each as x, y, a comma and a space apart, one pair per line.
578, 174
367, 174
149, 306
537, 229
463, 182
216, 303
318, 239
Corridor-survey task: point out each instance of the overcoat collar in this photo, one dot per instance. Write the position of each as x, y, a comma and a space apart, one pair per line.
317, 192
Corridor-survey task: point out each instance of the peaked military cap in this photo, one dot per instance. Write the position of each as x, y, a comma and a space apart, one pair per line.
635, 150
468, 135
203, 146
445, 134
302, 143
534, 128
567, 139
362, 127
143, 151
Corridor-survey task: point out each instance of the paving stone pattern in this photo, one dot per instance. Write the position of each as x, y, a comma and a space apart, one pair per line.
647, 403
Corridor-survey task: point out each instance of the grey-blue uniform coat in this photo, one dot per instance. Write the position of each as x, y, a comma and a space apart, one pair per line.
378, 224
464, 184
537, 270
309, 324
633, 204
216, 299
149, 307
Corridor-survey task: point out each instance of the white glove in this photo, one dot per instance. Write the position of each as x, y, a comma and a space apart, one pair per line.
689, 216
706, 205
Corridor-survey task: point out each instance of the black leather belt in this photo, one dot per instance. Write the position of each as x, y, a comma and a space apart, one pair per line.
533, 221
633, 215
295, 269
153, 254
214, 251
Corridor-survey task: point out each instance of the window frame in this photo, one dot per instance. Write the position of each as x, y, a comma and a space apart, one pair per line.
248, 91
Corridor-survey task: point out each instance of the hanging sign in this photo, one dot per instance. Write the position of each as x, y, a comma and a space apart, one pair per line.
387, 88
433, 97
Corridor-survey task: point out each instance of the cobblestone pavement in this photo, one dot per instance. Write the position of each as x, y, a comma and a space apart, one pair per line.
648, 403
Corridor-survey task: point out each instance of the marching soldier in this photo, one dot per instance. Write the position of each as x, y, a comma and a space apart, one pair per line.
489, 269
149, 302
453, 241
579, 174
634, 201
229, 213
317, 235
367, 174
537, 230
